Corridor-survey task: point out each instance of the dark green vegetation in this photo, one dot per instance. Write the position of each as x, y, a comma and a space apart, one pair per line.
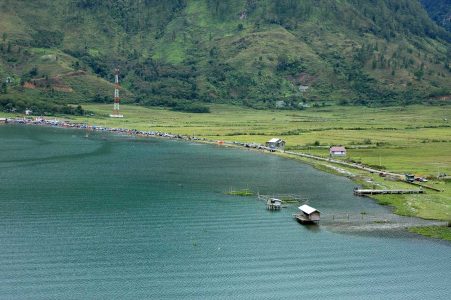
440, 11
253, 52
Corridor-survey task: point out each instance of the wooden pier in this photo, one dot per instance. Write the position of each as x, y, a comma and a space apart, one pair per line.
363, 192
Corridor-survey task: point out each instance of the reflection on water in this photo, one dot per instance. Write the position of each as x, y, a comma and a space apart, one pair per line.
315, 228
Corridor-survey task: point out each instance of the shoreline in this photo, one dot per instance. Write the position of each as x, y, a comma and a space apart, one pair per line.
322, 164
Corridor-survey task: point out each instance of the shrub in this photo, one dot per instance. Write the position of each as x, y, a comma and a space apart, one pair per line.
191, 107
47, 39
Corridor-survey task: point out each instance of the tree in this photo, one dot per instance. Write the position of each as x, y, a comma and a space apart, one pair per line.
221, 8
4, 88
79, 111
419, 73
282, 62
33, 72
76, 65
9, 107
374, 64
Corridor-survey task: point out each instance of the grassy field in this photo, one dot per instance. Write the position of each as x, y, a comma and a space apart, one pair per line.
413, 139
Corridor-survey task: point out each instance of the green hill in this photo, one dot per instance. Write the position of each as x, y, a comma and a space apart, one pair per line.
253, 52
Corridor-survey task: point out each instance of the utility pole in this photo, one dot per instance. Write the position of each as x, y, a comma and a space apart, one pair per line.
116, 111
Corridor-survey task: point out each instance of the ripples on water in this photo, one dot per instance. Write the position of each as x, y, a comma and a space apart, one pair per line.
124, 218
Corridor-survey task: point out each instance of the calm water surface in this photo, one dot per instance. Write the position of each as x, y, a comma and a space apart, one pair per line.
120, 218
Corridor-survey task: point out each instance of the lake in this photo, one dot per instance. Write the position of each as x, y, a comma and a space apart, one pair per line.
114, 217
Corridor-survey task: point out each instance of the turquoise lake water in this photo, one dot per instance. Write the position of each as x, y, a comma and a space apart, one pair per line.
110, 217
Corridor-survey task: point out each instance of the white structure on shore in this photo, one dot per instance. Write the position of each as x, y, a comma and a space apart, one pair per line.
337, 151
275, 143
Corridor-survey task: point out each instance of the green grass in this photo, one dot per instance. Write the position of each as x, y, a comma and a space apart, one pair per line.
241, 193
439, 232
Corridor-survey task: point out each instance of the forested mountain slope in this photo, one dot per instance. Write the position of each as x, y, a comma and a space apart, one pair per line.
440, 11
255, 52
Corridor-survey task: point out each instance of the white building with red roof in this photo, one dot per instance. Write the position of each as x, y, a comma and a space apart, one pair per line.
337, 151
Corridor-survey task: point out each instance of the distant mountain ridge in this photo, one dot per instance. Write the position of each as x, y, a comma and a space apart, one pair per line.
253, 52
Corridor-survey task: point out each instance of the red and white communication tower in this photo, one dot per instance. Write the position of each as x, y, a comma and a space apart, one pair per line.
116, 113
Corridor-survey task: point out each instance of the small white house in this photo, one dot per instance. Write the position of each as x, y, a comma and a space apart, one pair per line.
28, 112
337, 151
273, 204
275, 143
307, 214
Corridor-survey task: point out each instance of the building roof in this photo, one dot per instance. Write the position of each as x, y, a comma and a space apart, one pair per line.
308, 209
274, 140
337, 149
